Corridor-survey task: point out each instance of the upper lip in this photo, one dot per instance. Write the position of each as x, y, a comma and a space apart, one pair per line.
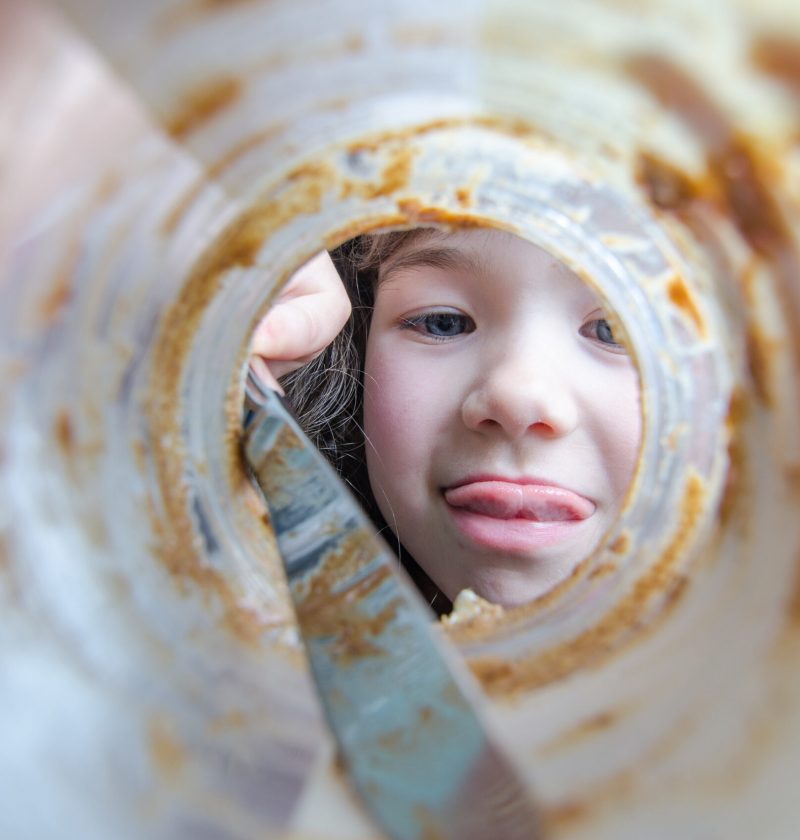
474, 479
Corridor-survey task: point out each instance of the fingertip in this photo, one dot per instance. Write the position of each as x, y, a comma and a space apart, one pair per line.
266, 340
261, 371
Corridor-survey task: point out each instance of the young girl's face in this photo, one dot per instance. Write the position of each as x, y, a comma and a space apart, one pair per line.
502, 417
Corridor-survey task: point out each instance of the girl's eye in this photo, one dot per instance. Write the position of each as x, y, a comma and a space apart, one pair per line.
440, 324
600, 330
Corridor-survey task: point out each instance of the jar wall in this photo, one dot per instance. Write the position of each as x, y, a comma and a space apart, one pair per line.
150, 648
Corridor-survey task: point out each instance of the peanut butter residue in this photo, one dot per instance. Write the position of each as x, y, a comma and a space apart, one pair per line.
75, 448
666, 186
192, 11
736, 483
603, 570
55, 302
584, 730
394, 176
354, 43
326, 613
621, 544
173, 523
64, 432
513, 127
684, 299
417, 213
465, 197
472, 612
745, 176
380, 140
761, 353
562, 817
779, 57
274, 469
168, 753
354, 553
201, 104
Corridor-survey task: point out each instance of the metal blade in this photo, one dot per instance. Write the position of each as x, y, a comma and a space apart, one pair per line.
401, 709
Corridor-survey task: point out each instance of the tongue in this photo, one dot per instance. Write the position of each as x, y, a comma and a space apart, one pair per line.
506, 500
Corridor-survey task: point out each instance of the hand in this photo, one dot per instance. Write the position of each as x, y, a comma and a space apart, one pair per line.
307, 315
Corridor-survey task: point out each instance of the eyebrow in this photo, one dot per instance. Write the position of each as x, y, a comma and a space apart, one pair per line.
452, 259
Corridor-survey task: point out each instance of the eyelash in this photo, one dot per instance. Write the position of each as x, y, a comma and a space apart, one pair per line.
421, 323
587, 332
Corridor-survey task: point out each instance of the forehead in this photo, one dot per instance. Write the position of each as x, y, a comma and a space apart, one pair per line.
492, 256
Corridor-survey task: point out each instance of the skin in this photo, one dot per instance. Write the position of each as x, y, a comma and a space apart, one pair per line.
307, 315
502, 418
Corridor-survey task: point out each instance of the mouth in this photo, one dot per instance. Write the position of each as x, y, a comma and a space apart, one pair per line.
530, 499
515, 515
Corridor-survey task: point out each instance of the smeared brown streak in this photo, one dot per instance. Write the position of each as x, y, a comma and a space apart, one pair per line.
168, 753
201, 104
335, 614
779, 57
173, 527
192, 13
742, 180
667, 187
741, 177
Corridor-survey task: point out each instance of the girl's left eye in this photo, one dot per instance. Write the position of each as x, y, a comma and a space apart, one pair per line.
439, 325
600, 330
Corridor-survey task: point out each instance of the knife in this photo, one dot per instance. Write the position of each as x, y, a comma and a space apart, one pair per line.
402, 708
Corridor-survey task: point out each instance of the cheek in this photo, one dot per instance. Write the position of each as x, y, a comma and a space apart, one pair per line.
391, 420
626, 430
616, 409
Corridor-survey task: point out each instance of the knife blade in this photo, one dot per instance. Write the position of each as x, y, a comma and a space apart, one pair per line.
403, 710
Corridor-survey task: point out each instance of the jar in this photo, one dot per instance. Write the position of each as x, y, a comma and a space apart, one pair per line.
172, 164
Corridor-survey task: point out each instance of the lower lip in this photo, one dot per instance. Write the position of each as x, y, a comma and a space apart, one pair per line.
513, 536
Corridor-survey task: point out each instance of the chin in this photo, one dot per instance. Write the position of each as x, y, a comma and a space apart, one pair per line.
515, 589
512, 596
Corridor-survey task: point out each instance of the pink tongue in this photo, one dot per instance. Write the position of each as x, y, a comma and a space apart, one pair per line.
505, 500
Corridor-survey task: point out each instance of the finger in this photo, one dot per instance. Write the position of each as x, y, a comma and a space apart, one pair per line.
297, 330
300, 326
265, 375
317, 275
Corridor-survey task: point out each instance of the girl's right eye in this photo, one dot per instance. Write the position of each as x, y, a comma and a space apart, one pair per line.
439, 325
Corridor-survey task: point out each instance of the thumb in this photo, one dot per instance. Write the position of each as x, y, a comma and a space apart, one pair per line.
307, 316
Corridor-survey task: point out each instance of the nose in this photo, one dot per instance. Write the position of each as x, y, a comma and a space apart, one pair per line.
515, 396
